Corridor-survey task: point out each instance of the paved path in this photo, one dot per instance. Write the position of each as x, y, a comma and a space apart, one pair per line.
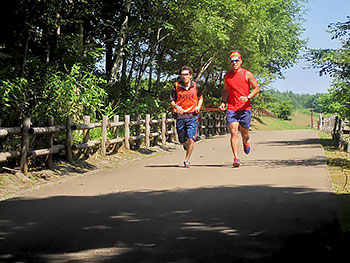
277, 207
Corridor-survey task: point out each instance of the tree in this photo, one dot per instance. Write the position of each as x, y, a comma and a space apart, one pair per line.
336, 63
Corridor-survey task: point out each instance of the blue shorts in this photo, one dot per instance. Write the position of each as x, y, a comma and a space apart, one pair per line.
244, 117
187, 128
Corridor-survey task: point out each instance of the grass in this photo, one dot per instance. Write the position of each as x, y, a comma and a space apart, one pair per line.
338, 163
301, 119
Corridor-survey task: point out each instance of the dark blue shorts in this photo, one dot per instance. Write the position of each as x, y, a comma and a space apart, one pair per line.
244, 117
187, 128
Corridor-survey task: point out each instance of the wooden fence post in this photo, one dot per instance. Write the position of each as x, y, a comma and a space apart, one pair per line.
69, 139
127, 132
50, 136
25, 146
163, 128
116, 130
320, 122
148, 130
86, 135
138, 131
104, 135
335, 128
86, 132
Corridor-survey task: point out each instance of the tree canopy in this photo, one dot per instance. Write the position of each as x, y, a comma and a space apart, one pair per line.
137, 48
336, 63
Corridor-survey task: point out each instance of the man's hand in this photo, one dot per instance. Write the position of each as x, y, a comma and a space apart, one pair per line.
180, 110
243, 98
222, 106
197, 109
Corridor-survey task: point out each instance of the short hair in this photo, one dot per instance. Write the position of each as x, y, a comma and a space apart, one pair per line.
186, 68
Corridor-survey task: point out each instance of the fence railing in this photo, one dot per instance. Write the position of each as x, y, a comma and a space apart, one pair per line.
128, 133
338, 128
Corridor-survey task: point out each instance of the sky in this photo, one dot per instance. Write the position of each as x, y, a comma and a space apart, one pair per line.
320, 13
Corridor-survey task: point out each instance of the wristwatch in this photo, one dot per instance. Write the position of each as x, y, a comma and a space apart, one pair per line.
176, 106
248, 97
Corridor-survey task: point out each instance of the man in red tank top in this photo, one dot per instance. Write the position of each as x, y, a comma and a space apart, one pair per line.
186, 99
236, 94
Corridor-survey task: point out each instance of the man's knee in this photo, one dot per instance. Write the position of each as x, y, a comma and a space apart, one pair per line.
234, 129
190, 141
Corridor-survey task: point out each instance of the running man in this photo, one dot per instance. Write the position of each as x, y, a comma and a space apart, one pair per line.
186, 99
236, 94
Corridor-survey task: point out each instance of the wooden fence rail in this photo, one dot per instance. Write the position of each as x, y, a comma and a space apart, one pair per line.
338, 128
129, 133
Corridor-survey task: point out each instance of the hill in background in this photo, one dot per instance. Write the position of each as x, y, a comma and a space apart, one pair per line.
301, 119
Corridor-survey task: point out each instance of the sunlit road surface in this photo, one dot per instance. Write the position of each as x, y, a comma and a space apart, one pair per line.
277, 207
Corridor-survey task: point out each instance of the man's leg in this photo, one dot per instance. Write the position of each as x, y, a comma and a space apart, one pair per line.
245, 121
181, 132
245, 134
190, 146
191, 126
234, 138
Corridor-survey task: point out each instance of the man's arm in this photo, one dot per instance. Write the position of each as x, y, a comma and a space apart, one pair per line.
200, 98
173, 98
252, 81
200, 102
224, 95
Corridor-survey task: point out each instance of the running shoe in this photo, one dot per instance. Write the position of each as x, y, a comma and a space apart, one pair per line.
186, 164
236, 162
246, 148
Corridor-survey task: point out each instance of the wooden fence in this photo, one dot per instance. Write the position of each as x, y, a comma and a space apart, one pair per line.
126, 132
338, 128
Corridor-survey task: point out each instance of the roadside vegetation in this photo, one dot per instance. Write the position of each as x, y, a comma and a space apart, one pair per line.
338, 163
299, 119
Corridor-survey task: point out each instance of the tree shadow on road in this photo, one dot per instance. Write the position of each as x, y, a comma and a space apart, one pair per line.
219, 224
279, 163
310, 142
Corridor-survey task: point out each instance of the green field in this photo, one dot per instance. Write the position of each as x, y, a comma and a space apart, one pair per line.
301, 119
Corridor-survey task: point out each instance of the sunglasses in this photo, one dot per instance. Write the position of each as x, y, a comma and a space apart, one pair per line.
235, 60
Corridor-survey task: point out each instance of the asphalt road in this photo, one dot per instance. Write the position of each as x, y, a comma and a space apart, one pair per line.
277, 207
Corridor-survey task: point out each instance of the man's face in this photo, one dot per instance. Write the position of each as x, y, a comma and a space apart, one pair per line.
236, 64
186, 77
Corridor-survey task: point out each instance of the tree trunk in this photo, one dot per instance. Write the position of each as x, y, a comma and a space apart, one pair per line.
109, 58
81, 40
160, 68
204, 67
26, 47
150, 77
133, 61
123, 79
119, 53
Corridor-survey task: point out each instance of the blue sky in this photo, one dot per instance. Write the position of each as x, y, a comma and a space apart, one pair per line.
320, 14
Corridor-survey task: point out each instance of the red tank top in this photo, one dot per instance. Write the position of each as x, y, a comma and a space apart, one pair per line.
187, 99
238, 86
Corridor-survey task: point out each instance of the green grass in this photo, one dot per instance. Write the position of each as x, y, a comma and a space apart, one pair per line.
338, 163
301, 119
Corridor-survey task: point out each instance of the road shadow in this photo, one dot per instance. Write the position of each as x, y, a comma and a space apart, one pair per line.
264, 163
219, 224
280, 163
310, 142
226, 165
